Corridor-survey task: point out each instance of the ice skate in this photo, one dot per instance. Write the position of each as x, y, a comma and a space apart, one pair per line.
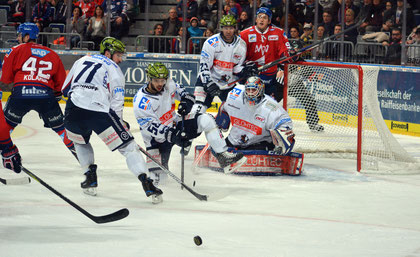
316, 128
150, 189
227, 158
90, 184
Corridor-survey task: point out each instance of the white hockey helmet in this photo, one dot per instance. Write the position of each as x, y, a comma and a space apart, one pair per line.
254, 90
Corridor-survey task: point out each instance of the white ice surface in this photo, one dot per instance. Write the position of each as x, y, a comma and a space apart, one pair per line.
328, 211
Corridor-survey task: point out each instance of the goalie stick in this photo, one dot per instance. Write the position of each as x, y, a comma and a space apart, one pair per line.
169, 173
121, 214
15, 181
298, 53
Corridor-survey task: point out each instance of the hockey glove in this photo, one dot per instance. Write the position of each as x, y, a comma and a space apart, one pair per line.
126, 124
58, 96
186, 104
175, 136
250, 69
295, 56
283, 139
212, 89
12, 159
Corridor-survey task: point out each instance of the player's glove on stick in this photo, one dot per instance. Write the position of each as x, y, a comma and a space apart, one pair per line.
12, 159
212, 89
176, 136
186, 104
250, 69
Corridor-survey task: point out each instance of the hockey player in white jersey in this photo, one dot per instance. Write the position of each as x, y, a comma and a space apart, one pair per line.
258, 121
161, 127
95, 90
221, 62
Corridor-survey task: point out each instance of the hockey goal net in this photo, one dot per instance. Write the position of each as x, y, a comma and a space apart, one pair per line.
335, 110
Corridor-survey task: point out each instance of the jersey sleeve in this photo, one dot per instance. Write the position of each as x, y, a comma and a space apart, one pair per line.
242, 50
60, 75
279, 118
116, 88
149, 122
206, 59
8, 74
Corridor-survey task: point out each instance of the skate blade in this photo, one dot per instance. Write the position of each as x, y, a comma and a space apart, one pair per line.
90, 191
156, 199
238, 164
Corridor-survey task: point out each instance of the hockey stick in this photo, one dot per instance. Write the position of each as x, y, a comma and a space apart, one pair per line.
197, 195
298, 53
98, 219
15, 181
182, 151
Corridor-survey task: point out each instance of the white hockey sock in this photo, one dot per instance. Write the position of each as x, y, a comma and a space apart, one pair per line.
134, 159
85, 154
215, 138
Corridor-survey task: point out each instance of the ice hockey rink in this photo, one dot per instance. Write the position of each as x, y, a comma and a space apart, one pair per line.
330, 210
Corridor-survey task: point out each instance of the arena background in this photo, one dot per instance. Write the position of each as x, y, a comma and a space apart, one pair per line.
398, 87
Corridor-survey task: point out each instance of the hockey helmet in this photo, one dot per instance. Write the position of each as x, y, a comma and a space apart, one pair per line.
157, 70
228, 20
28, 28
266, 11
112, 45
254, 90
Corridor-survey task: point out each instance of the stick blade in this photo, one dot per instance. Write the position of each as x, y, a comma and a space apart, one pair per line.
118, 215
16, 181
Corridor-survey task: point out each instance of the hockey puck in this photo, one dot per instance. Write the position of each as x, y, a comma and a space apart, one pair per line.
197, 240
194, 183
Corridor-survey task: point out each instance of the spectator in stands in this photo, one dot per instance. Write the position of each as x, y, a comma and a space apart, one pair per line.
232, 8
320, 32
171, 25
352, 34
374, 19
207, 13
157, 45
291, 22
336, 9
60, 15
119, 18
387, 26
77, 25
328, 22
397, 16
244, 21
294, 38
17, 11
280, 9
195, 31
333, 49
176, 45
249, 8
87, 7
208, 32
306, 36
96, 29
307, 12
413, 52
192, 9
393, 55
389, 8
42, 14
364, 12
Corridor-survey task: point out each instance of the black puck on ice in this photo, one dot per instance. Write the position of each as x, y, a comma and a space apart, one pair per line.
197, 240
194, 183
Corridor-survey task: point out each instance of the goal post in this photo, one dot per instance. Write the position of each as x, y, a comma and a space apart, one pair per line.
336, 113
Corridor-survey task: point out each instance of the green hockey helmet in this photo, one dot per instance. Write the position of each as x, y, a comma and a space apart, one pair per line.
227, 20
112, 45
157, 70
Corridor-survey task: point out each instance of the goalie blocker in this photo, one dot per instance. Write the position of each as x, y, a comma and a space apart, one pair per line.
259, 163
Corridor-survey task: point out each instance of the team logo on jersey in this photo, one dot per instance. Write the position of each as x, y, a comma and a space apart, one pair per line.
143, 121
237, 56
273, 38
223, 65
119, 90
39, 52
244, 139
252, 38
168, 117
214, 41
259, 118
145, 104
204, 54
234, 93
245, 125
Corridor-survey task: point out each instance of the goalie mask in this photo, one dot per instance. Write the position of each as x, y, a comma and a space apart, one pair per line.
254, 90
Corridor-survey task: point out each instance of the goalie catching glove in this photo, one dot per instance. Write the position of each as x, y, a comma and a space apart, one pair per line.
12, 159
283, 140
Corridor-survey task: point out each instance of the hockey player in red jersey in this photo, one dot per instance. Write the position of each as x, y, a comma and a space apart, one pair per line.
37, 74
267, 43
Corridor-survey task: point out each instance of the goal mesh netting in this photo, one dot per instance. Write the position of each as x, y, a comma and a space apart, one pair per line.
338, 97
